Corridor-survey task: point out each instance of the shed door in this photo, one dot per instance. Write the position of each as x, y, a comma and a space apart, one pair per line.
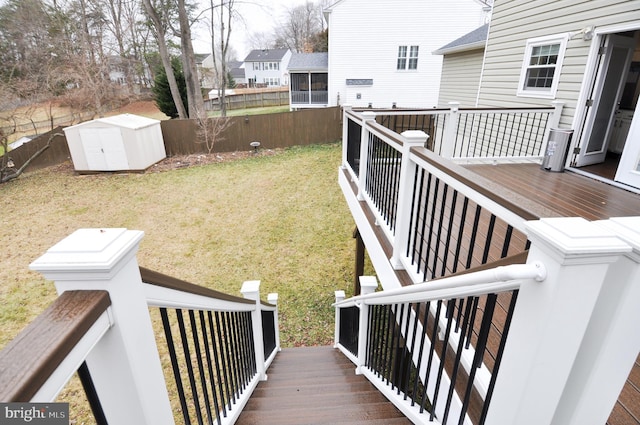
104, 149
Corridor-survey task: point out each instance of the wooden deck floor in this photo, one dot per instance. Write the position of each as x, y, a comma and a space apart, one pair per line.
317, 385
565, 194
571, 194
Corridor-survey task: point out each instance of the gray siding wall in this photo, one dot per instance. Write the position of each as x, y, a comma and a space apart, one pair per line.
461, 78
515, 21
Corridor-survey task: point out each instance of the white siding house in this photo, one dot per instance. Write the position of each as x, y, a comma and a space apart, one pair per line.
585, 54
267, 67
380, 53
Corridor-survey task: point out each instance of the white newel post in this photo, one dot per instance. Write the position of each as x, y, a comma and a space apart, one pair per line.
367, 119
612, 341
336, 338
551, 318
412, 138
368, 285
251, 291
272, 299
124, 365
345, 133
450, 130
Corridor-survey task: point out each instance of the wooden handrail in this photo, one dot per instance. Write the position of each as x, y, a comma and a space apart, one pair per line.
519, 258
29, 360
158, 279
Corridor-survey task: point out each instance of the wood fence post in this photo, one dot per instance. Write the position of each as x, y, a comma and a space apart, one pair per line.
124, 365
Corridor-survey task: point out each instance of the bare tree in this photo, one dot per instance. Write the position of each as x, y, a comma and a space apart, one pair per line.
225, 11
211, 130
160, 30
299, 26
194, 95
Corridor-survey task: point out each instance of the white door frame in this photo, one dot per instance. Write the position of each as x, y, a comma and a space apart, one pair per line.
588, 81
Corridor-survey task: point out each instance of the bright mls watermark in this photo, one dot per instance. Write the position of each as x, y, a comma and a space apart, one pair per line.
34, 413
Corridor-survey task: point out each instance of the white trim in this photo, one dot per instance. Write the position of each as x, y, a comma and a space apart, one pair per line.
550, 93
579, 117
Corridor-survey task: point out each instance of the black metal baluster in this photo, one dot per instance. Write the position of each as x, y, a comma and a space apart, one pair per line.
443, 355
463, 219
190, 371
487, 244
425, 215
174, 364
432, 349
203, 379
438, 242
452, 214
224, 355
415, 193
498, 360
431, 229
207, 346
456, 364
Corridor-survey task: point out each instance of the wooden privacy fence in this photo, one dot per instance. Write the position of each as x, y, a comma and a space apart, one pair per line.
257, 99
281, 130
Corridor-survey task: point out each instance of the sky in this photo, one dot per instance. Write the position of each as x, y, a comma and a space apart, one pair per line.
257, 16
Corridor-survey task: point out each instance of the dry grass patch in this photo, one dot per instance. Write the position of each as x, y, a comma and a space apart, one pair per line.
280, 219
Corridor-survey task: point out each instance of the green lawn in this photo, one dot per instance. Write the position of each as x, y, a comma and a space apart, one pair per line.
280, 219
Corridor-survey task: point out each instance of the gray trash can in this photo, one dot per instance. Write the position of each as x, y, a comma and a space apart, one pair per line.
557, 148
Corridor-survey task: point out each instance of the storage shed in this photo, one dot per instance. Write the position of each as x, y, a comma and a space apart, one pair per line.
119, 143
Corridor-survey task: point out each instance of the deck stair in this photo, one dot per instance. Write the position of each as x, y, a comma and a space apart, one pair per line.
317, 385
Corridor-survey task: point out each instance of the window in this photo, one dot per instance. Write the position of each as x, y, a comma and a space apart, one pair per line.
541, 67
407, 57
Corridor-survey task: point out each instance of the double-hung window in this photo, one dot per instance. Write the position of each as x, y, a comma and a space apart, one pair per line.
407, 57
541, 66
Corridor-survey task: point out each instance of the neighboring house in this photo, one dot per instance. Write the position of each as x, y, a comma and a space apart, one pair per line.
462, 68
236, 69
308, 74
267, 67
205, 69
585, 54
380, 52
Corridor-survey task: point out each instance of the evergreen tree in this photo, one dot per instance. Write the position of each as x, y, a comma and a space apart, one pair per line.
162, 92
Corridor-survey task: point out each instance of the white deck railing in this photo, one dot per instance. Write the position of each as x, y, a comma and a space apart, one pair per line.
119, 346
439, 219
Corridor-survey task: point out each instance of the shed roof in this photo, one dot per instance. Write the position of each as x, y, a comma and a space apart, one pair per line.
124, 120
476, 39
266, 55
309, 62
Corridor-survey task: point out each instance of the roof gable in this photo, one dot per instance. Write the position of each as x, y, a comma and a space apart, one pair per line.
266, 55
476, 39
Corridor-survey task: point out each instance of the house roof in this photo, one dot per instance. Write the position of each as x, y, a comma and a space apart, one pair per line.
309, 62
200, 57
236, 71
476, 39
266, 55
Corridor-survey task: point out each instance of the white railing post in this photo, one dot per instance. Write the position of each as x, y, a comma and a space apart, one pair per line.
124, 365
251, 291
345, 133
612, 341
412, 138
368, 285
367, 119
336, 338
450, 131
551, 318
272, 298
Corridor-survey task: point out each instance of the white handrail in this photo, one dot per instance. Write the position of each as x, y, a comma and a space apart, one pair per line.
492, 280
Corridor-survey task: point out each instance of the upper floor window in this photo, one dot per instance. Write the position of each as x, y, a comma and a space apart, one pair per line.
541, 66
407, 57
